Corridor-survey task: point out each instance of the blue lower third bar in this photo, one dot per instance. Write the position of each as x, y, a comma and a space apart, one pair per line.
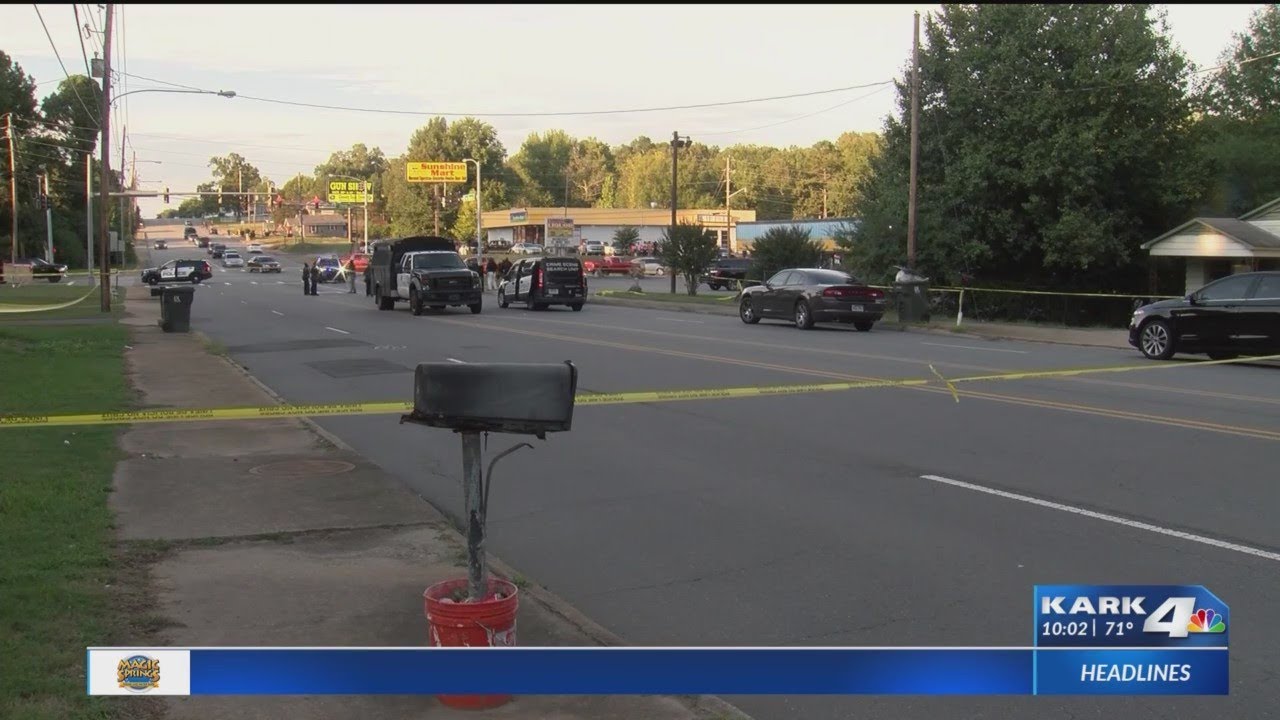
1133, 672
612, 671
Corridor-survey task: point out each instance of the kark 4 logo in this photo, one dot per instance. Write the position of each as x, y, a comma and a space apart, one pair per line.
1175, 617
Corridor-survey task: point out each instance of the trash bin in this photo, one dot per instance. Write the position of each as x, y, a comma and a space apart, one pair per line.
175, 308
911, 299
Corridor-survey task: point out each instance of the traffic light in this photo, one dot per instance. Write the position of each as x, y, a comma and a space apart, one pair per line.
166, 195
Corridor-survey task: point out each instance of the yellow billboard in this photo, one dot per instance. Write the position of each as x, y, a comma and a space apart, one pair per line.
348, 192
441, 172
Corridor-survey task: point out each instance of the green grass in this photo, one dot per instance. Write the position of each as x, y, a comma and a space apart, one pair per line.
39, 294
56, 544
680, 297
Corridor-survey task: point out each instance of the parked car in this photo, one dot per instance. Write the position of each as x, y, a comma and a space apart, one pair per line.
361, 260
727, 273
43, 269
1237, 315
216, 250
526, 249
541, 282
253, 248
262, 264
609, 265
192, 271
231, 258
650, 265
160, 245
330, 268
592, 247
806, 296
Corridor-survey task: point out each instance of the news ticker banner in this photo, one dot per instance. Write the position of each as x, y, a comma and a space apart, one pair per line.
1162, 640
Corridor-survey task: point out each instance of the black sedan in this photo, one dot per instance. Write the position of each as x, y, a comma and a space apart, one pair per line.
53, 272
805, 296
1237, 315
262, 264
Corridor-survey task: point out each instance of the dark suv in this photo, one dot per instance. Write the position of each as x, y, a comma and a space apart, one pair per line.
727, 272
540, 282
1237, 315
192, 271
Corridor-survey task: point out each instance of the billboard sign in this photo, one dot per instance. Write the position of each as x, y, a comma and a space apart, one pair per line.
441, 172
348, 191
560, 231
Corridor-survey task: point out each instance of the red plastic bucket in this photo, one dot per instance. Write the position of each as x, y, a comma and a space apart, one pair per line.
490, 622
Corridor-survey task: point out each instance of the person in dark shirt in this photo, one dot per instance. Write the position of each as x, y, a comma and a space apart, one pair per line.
315, 279
306, 279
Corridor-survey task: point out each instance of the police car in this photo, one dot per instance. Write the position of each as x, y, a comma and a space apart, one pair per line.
191, 271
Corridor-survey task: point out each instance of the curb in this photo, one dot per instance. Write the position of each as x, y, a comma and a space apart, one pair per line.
730, 311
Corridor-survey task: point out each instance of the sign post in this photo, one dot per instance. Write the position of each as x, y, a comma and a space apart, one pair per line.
560, 232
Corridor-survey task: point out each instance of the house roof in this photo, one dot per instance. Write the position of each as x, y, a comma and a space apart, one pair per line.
324, 220
1245, 233
1261, 209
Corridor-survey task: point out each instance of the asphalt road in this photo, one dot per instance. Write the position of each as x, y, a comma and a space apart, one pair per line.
809, 519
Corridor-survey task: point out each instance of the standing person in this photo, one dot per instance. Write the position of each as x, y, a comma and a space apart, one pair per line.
315, 279
306, 279
368, 279
351, 274
491, 274
504, 267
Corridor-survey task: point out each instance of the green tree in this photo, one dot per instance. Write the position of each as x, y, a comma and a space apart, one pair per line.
17, 96
1054, 140
783, 247
73, 110
358, 162
231, 173
688, 249
625, 238
590, 166
411, 207
1242, 118
541, 167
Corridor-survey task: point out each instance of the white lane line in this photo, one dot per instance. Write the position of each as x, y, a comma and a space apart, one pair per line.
696, 322
243, 302
278, 313
344, 332
456, 360
1244, 549
279, 282
253, 282
226, 283
970, 347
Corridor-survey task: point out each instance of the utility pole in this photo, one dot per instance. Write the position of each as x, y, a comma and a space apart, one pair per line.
435, 206
239, 194
88, 214
728, 217
104, 207
48, 217
350, 249
824, 193
675, 155
123, 132
13, 188
915, 144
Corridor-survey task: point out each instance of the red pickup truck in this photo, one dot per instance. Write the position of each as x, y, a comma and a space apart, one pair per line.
611, 265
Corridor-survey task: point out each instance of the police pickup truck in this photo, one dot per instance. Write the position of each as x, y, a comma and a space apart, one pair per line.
426, 271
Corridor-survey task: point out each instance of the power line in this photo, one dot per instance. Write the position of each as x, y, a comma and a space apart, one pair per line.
798, 117
80, 36
64, 65
164, 82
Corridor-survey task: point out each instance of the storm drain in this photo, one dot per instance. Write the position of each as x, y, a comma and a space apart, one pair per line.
357, 367
302, 468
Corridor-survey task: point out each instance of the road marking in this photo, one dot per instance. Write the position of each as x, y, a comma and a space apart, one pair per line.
456, 360
344, 332
696, 322
243, 302
253, 282
1244, 549
226, 283
1169, 421
278, 313
970, 347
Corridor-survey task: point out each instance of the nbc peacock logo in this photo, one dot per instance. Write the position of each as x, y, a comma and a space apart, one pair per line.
1206, 621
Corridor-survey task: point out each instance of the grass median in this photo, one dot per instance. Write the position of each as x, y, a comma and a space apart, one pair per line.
22, 303
56, 543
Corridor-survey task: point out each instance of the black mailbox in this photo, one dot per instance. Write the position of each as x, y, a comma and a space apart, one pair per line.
525, 398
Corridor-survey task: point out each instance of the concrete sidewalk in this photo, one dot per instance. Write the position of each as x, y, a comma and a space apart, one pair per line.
265, 533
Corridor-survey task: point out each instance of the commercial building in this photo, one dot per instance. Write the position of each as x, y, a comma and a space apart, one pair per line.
1213, 248
572, 226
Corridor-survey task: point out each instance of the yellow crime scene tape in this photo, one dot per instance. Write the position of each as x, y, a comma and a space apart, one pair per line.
10, 308
624, 398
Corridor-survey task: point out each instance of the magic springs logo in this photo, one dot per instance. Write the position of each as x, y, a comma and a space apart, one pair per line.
138, 673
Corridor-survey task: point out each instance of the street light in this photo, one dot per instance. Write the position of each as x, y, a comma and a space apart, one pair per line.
678, 141
479, 245
365, 186
219, 93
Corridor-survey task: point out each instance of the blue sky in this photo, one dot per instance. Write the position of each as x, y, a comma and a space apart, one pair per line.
492, 59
